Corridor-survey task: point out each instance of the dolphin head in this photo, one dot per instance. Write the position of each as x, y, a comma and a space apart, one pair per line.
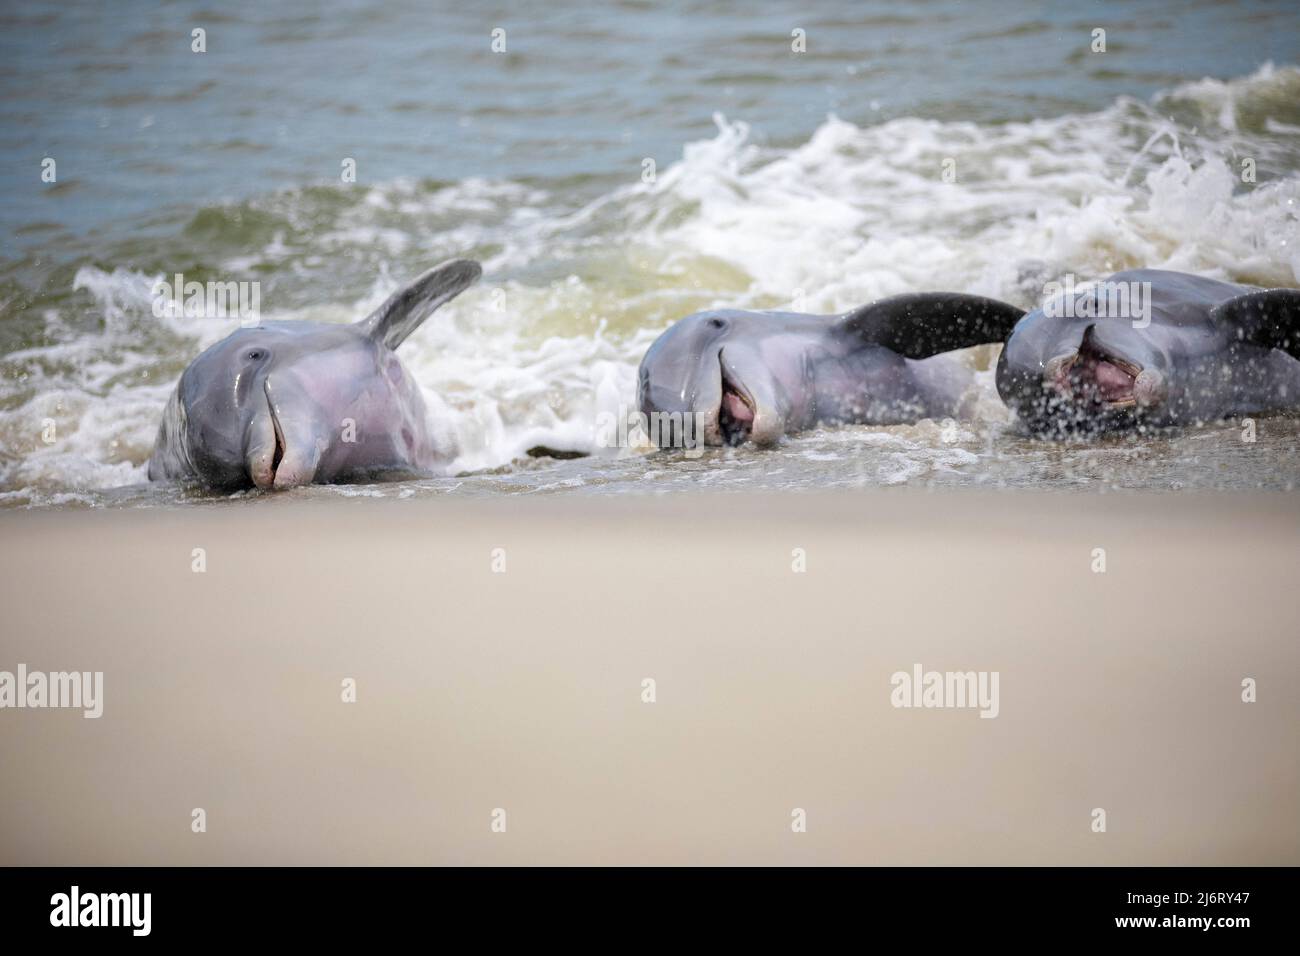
291, 403
730, 369
276, 406
755, 376
1074, 374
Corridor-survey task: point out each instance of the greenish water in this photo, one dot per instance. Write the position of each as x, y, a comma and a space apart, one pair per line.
780, 176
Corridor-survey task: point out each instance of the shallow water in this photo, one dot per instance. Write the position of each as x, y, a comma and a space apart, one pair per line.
810, 180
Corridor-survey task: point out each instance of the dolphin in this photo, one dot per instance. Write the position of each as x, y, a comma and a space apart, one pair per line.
1152, 347
291, 403
755, 376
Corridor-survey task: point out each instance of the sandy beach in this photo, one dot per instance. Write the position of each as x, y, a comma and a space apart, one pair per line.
522, 690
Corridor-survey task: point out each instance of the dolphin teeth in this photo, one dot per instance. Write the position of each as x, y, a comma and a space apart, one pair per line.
1098, 377
1056, 371
1130, 367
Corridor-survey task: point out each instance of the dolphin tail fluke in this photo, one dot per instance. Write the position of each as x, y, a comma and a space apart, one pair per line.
1269, 317
404, 310
918, 325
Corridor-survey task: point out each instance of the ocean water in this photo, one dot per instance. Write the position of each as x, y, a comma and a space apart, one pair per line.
780, 178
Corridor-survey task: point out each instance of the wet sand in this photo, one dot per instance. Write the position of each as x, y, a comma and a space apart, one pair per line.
522, 690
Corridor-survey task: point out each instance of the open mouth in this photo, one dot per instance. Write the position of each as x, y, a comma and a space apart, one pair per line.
735, 413
279, 445
261, 469
1091, 376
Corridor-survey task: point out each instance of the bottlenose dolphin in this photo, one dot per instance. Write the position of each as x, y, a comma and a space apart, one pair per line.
755, 376
1153, 347
291, 403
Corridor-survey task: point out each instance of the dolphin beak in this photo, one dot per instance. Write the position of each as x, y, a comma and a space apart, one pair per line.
265, 448
299, 449
283, 450
736, 411
750, 409
267, 455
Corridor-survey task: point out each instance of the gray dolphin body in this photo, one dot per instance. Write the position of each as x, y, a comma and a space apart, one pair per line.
292, 403
1211, 349
755, 376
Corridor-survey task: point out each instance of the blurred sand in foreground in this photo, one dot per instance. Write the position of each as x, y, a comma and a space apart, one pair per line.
523, 690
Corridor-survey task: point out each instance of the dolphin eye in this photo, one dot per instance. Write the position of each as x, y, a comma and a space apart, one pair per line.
717, 323
255, 355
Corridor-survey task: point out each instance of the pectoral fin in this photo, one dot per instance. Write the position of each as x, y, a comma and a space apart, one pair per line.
920, 324
1269, 317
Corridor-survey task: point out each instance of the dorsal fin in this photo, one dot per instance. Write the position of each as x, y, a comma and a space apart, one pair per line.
917, 325
404, 310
